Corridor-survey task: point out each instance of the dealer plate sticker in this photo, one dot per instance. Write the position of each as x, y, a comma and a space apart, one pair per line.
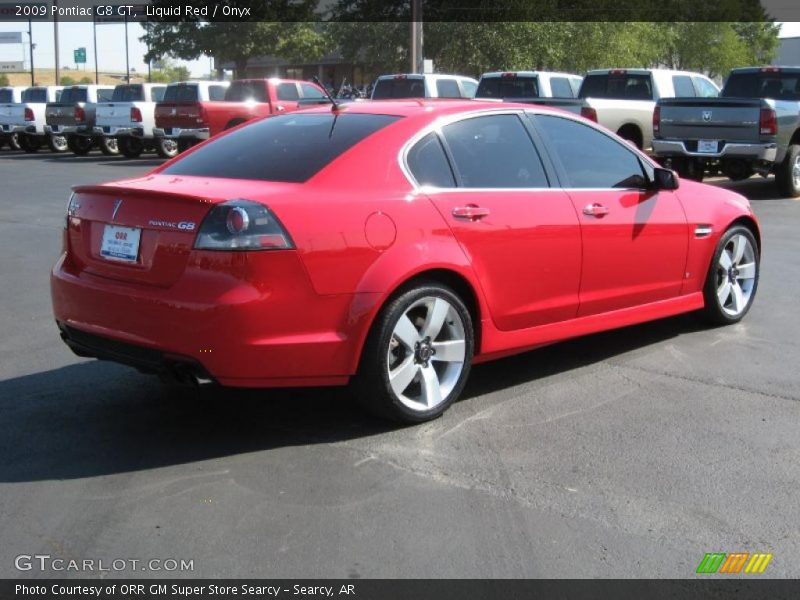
708, 146
121, 243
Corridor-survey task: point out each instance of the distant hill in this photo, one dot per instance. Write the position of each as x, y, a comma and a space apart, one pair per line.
47, 77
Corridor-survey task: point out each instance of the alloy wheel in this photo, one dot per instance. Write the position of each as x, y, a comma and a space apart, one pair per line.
736, 275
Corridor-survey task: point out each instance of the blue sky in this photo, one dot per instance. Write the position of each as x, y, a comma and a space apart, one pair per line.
111, 45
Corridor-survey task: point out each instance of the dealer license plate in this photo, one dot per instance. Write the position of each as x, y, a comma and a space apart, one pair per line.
121, 243
708, 146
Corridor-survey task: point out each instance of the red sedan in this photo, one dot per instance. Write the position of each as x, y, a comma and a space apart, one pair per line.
392, 245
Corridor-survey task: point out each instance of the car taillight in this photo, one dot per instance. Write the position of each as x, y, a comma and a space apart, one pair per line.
80, 114
136, 115
242, 225
587, 112
657, 119
768, 122
29, 114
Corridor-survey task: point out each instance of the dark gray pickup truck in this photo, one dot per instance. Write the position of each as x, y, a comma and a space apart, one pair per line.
73, 116
753, 127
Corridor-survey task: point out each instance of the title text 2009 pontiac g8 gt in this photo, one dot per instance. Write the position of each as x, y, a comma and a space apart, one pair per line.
392, 245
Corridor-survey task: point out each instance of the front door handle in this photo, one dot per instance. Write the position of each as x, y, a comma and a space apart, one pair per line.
281, 108
595, 210
470, 212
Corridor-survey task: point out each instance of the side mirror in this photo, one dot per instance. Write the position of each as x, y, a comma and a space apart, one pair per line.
665, 179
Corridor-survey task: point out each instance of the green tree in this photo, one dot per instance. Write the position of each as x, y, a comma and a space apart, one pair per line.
86, 80
67, 80
4, 80
269, 32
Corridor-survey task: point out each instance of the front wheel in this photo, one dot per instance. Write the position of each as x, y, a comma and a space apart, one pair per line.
417, 356
788, 174
732, 277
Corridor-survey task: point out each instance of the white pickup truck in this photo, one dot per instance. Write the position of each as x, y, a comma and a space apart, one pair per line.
623, 100
532, 87
27, 119
418, 85
130, 117
9, 97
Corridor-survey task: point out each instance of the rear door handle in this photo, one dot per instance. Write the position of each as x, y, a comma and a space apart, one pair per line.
470, 212
595, 210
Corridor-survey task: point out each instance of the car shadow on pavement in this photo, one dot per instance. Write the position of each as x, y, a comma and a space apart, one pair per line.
755, 188
95, 418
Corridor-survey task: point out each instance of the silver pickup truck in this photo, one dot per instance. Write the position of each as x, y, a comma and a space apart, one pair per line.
753, 127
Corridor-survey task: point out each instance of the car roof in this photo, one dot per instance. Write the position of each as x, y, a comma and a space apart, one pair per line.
423, 76
530, 73
434, 107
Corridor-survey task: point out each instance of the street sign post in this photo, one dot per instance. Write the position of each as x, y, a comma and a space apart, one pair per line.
80, 56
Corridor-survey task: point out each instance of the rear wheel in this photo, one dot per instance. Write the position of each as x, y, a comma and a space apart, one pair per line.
108, 146
130, 147
80, 144
57, 143
30, 143
788, 174
417, 356
166, 147
184, 145
13, 141
732, 277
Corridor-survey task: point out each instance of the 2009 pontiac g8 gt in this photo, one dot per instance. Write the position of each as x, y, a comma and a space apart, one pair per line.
392, 245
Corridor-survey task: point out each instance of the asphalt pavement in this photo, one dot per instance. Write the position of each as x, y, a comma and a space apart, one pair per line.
624, 454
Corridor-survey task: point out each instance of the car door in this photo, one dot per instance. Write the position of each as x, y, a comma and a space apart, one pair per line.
521, 236
287, 97
634, 239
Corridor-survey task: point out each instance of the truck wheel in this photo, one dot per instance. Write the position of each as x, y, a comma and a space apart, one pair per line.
80, 144
166, 147
130, 147
57, 143
184, 145
30, 143
108, 146
13, 141
788, 174
417, 356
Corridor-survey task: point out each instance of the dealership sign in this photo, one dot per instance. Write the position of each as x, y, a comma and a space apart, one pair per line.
10, 37
12, 66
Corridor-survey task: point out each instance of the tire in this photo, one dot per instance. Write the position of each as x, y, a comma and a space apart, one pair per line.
30, 143
184, 145
13, 141
108, 146
80, 144
130, 147
403, 380
166, 147
57, 143
788, 174
3, 140
732, 278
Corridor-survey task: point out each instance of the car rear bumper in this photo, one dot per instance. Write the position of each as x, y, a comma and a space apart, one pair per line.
111, 131
256, 323
27, 128
68, 130
761, 152
182, 134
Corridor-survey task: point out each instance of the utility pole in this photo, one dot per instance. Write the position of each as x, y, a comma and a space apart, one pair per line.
96, 69
416, 36
55, 40
127, 57
30, 46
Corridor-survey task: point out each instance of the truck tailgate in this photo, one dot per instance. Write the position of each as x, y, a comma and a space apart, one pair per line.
114, 114
728, 119
60, 114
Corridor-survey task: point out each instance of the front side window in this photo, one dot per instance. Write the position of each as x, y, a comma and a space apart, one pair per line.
704, 88
447, 88
494, 152
290, 148
287, 91
561, 88
590, 158
428, 163
311, 91
683, 86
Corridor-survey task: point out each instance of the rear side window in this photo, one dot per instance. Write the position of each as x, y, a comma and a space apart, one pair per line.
402, 87
105, 95
311, 91
561, 88
620, 86
6, 96
247, 91
36, 95
447, 88
704, 88
157, 93
428, 163
510, 86
181, 93
73, 95
288, 91
128, 93
494, 152
683, 87
783, 86
590, 158
290, 148
216, 93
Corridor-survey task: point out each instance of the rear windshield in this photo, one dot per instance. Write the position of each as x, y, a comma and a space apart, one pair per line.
128, 93
180, 93
73, 95
290, 148
244, 91
6, 96
35, 95
405, 87
622, 86
509, 87
782, 86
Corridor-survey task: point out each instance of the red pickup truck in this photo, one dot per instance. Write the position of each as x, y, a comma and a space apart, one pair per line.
191, 119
